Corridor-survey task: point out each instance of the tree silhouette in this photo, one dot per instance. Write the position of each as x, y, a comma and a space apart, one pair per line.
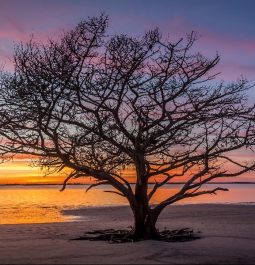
97, 104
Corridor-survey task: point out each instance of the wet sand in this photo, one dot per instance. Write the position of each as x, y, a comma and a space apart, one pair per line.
227, 237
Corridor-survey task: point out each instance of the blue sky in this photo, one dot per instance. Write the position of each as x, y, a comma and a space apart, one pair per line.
226, 27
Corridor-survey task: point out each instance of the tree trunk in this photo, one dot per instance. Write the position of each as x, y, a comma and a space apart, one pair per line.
144, 224
144, 218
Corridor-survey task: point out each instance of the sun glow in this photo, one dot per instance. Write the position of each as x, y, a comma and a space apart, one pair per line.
20, 171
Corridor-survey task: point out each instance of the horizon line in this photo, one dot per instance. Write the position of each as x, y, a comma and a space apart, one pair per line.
131, 183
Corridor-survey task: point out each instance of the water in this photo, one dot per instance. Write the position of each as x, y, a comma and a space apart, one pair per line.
44, 204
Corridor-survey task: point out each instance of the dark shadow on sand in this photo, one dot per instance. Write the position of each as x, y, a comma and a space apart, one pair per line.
125, 236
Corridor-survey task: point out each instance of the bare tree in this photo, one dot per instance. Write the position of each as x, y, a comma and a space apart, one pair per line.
97, 104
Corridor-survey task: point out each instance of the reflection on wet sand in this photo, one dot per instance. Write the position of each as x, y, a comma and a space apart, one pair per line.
43, 204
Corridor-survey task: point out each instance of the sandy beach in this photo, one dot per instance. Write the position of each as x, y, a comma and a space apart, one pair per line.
227, 237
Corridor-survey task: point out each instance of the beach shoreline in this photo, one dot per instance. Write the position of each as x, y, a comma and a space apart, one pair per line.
227, 237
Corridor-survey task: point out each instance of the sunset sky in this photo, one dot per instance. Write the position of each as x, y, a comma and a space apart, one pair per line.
224, 27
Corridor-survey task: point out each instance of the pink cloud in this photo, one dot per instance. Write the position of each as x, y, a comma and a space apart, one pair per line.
237, 54
227, 44
47, 21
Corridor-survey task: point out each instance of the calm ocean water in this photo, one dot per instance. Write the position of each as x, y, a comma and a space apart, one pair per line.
43, 204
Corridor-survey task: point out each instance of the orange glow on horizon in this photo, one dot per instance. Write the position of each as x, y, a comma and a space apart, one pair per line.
19, 171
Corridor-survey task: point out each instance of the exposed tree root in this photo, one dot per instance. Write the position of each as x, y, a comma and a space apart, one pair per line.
125, 236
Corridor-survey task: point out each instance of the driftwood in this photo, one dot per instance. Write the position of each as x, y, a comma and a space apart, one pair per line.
125, 236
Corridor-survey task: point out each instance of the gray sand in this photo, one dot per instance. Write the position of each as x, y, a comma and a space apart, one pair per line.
228, 237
